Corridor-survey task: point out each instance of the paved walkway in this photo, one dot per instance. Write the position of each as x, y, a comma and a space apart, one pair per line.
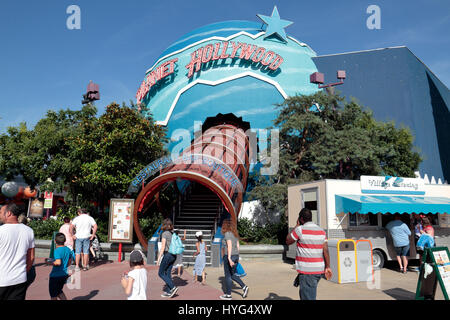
268, 280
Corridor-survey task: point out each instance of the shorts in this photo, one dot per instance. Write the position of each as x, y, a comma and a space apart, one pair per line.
14, 292
402, 251
82, 245
55, 285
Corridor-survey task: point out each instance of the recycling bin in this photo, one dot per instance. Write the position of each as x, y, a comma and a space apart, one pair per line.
343, 260
364, 260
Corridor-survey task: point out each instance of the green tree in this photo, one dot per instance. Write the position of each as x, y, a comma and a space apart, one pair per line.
338, 140
111, 151
91, 158
43, 152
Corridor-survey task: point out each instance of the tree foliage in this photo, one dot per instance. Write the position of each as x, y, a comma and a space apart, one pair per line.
91, 158
338, 140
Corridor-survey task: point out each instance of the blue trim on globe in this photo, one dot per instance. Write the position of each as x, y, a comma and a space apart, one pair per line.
219, 29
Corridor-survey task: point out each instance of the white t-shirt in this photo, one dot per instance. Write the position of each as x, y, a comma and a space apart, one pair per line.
138, 292
83, 225
15, 240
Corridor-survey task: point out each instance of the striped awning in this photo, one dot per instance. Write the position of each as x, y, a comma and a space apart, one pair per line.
391, 204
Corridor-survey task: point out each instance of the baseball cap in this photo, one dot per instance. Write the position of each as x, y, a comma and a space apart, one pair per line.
136, 256
198, 233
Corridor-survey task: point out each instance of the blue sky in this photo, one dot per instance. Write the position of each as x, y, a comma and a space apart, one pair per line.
44, 65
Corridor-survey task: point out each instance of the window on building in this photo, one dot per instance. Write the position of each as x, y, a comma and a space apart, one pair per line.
310, 202
363, 220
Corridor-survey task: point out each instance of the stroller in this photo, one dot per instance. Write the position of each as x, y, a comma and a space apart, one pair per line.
96, 250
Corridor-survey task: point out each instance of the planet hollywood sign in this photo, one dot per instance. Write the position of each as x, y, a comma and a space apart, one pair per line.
212, 52
217, 51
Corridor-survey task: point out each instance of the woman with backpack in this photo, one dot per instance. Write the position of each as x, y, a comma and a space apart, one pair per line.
168, 259
230, 252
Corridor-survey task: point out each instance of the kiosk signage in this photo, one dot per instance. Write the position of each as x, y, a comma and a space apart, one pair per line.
121, 221
392, 185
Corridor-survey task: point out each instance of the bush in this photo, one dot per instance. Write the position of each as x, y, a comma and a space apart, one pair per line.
150, 224
43, 229
270, 233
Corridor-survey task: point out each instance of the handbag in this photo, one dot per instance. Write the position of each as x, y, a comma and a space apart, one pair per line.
240, 272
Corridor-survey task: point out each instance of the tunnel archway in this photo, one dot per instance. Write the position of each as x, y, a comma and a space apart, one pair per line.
217, 159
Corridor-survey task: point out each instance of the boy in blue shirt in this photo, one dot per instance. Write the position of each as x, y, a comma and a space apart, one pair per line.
59, 275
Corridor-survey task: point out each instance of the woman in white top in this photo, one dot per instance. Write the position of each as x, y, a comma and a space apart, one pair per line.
134, 282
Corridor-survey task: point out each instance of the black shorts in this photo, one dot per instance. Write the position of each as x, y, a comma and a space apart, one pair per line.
55, 285
14, 292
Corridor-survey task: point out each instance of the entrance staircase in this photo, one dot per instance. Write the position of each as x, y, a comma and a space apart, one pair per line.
197, 213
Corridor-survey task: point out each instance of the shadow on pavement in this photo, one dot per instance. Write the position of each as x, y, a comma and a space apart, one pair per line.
92, 294
274, 296
400, 294
99, 263
179, 282
234, 286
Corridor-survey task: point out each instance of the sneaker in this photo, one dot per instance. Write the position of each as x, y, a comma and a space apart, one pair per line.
226, 297
77, 268
165, 295
173, 291
87, 267
244, 295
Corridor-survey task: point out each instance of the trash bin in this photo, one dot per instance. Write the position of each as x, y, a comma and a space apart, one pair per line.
364, 260
343, 260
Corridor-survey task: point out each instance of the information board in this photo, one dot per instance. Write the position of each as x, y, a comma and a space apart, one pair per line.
121, 221
435, 269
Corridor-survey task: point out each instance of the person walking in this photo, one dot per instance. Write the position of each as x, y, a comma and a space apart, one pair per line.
400, 235
63, 256
230, 252
31, 274
200, 258
83, 225
168, 259
16, 254
134, 282
65, 229
312, 259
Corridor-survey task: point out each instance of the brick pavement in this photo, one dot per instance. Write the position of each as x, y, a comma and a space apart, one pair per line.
268, 280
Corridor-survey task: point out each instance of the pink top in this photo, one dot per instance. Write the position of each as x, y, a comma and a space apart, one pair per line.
65, 229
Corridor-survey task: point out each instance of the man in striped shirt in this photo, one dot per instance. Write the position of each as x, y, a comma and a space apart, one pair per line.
312, 258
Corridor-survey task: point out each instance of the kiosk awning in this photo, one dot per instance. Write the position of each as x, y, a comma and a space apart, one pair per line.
391, 204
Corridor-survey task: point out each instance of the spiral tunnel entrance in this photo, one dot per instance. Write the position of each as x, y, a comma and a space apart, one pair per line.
217, 159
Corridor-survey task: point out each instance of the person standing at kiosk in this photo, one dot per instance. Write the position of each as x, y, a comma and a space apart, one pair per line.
400, 235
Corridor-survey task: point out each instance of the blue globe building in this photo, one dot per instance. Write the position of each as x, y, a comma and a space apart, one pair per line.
243, 69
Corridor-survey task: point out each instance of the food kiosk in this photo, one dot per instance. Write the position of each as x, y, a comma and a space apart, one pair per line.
360, 209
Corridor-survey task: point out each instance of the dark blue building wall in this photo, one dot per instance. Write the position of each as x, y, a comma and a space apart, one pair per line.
397, 86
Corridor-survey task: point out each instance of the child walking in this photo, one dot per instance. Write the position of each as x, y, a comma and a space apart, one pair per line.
134, 282
200, 260
59, 274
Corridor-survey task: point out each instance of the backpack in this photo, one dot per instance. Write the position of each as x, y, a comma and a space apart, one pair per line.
176, 246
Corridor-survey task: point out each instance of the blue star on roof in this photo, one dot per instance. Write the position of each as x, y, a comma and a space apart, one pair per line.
275, 25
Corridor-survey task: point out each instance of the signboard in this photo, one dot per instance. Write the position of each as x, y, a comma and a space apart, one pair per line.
435, 268
121, 221
392, 185
48, 200
35, 208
